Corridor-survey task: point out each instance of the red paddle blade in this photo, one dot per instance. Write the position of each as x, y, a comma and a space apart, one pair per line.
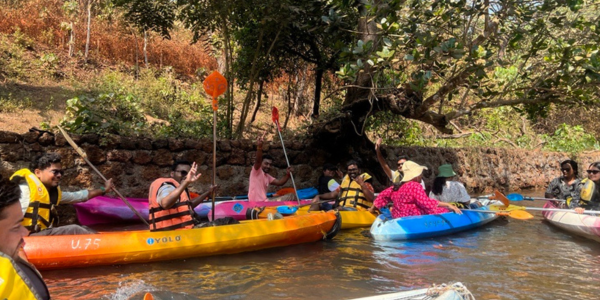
275, 116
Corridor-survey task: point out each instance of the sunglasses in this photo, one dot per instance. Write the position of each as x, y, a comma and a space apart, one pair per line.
565, 170
352, 170
593, 172
182, 172
57, 172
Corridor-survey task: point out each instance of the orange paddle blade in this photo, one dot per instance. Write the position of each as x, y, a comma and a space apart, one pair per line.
284, 191
148, 296
215, 85
500, 197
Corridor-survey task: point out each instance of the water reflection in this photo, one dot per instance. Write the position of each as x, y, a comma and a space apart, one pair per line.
507, 259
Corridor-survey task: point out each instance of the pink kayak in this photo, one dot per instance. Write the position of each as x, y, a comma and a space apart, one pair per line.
239, 209
580, 224
108, 210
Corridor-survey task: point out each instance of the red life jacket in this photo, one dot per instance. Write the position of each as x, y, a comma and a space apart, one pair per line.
177, 217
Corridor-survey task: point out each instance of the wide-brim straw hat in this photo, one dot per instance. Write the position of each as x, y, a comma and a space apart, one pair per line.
446, 171
411, 169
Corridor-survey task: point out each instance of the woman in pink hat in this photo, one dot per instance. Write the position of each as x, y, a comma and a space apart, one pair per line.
408, 196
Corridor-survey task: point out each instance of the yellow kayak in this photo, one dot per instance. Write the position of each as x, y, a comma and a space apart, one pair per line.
350, 219
69, 251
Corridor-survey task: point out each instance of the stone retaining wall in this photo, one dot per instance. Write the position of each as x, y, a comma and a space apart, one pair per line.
134, 163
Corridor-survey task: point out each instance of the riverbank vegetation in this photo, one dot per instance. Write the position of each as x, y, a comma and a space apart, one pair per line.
428, 73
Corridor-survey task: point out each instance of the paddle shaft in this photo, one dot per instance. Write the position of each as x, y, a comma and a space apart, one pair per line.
562, 210
287, 161
82, 154
544, 199
214, 160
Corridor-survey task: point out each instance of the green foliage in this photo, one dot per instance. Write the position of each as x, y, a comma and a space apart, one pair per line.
571, 139
395, 130
111, 113
153, 105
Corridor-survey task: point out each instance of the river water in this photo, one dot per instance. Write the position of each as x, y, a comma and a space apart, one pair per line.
507, 259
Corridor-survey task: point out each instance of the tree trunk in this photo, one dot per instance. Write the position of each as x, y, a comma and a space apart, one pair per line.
89, 28
289, 102
71, 40
258, 98
146, 48
318, 83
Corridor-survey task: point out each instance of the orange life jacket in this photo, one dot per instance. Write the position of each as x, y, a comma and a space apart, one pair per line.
177, 217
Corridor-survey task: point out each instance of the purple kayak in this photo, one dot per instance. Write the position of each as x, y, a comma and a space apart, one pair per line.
108, 210
238, 209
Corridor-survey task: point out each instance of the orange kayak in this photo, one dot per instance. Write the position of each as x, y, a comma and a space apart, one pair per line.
71, 251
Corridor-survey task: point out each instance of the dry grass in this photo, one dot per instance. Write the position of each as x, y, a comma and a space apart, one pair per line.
111, 40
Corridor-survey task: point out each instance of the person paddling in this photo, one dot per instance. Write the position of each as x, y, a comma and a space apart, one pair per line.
589, 195
447, 190
41, 193
408, 196
567, 185
260, 178
171, 206
354, 193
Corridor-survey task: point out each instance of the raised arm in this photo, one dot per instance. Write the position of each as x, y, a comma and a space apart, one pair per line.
381, 160
169, 200
259, 145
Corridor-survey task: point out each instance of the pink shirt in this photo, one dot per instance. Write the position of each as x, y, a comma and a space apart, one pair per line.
409, 200
259, 182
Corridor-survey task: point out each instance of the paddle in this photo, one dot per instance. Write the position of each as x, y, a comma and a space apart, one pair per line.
519, 197
84, 156
517, 214
500, 197
561, 210
275, 117
214, 85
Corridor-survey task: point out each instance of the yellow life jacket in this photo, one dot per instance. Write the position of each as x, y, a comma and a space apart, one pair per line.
14, 284
179, 216
588, 194
40, 213
350, 190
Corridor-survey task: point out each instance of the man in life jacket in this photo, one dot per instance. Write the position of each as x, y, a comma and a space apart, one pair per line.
354, 193
260, 179
171, 206
18, 278
40, 194
395, 176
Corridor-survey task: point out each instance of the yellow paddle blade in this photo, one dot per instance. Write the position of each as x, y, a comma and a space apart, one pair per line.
509, 208
520, 214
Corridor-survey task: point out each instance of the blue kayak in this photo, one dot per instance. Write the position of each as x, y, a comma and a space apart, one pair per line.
419, 227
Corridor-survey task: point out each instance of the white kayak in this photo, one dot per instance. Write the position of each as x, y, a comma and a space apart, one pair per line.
455, 291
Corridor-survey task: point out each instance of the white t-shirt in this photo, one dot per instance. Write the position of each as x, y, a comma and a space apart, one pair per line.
67, 197
453, 191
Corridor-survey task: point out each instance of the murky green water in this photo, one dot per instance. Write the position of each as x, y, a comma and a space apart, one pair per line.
507, 259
